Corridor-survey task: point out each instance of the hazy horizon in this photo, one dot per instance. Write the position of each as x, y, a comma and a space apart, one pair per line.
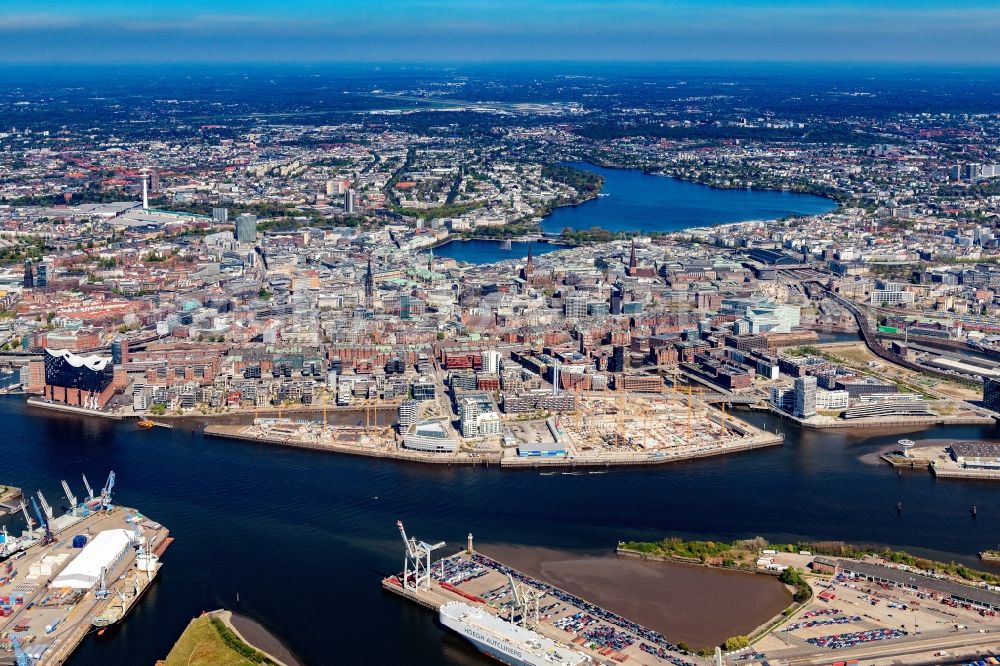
441, 31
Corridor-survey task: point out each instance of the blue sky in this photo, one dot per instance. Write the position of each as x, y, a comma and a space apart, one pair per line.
500, 30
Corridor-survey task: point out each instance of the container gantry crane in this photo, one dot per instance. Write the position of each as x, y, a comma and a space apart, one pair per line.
417, 560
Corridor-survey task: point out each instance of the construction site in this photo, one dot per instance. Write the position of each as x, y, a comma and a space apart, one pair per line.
642, 428
520, 619
606, 429
69, 575
373, 437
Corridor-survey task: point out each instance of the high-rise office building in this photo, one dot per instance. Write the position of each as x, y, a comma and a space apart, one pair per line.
616, 300
350, 200
220, 215
29, 274
119, 350
617, 362
407, 413
805, 396
246, 228
991, 393
491, 361
42, 276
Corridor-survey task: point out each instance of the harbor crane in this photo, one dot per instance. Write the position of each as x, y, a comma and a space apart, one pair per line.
41, 519
90, 491
524, 604
27, 518
21, 657
46, 507
70, 497
106, 491
417, 560
102, 589
138, 536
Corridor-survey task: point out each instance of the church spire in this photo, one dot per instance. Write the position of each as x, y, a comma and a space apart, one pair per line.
529, 265
632, 263
369, 286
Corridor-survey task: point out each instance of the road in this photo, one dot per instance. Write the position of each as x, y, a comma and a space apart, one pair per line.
871, 341
983, 643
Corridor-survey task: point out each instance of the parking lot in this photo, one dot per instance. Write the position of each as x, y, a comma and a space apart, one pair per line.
858, 614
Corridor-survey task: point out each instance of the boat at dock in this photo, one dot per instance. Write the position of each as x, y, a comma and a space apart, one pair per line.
10, 546
504, 641
129, 590
990, 556
146, 424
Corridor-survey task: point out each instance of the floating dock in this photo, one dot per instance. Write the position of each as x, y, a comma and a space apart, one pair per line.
9, 498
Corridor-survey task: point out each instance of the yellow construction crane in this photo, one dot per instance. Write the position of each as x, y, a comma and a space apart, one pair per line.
621, 420
690, 415
579, 406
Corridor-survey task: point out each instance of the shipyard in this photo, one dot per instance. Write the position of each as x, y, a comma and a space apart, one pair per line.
67, 576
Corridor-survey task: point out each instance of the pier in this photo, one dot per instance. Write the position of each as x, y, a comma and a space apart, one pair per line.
474, 579
60, 407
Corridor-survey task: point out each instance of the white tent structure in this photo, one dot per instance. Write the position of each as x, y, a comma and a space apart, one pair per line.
103, 551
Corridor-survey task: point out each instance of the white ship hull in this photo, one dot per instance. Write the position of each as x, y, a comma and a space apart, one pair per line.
504, 641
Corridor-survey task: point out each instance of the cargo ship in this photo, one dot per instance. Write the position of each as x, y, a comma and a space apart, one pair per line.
130, 589
10, 546
506, 642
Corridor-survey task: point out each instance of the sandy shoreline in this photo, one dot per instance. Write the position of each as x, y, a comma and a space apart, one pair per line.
259, 637
700, 606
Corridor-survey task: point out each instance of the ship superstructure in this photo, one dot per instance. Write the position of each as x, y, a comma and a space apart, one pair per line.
504, 641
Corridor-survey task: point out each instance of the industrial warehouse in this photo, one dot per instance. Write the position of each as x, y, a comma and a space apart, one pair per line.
101, 554
962, 594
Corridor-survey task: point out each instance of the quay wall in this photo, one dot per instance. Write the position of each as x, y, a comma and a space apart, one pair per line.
760, 442
981, 474
228, 432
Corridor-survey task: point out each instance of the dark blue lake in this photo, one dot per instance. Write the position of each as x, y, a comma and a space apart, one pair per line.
305, 537
639, 202
634, 201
